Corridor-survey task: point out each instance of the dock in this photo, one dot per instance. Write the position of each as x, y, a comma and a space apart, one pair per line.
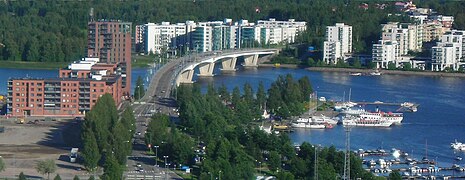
403, 107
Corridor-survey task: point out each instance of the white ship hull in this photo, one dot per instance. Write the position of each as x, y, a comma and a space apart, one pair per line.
308, 126
357, 121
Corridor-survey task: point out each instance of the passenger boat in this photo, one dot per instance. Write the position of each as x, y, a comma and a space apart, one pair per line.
395, 118
359, 121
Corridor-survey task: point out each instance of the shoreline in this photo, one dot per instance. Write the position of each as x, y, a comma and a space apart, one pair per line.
354, 70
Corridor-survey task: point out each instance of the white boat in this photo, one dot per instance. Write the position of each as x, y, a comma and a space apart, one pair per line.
355, 74
458, 158
351, 111
395, 118
323, 120
322, 99
359, 121
310, 125
457, 145
375, 73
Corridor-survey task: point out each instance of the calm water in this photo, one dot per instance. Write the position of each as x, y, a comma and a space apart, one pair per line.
440, 118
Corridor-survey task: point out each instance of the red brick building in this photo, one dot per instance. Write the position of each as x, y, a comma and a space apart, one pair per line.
111, 42
72, 94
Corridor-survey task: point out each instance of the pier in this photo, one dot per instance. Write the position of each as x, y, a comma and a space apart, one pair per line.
404, 107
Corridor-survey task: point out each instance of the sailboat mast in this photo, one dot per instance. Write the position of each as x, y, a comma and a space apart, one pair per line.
350, 93
344, 97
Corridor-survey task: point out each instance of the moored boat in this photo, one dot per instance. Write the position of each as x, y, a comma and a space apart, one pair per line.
363, 122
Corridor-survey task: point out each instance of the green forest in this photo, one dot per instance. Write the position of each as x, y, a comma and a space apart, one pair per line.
55, 31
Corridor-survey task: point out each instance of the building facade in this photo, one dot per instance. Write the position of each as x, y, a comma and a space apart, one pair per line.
385, 52
449, 52
111, 42
409, 37
218, 35
74, 93
338, 43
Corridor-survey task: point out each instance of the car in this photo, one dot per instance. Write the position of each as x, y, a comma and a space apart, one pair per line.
139, 165
138, 133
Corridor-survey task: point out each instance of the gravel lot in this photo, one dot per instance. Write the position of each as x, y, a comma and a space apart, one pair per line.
22, 145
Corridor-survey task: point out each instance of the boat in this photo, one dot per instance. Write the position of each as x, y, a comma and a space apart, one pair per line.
395, 118
458, 158
355, 74
363, 122
457, 146
375, 73
310, 125
323, 120
351, 111
322, 99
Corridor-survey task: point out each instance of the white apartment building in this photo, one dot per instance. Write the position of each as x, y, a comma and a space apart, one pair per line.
161, 37
408, 36
338, 44
216, 35
385, 52
449, 52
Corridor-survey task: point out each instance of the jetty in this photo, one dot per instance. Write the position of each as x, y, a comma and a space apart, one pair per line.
403, 107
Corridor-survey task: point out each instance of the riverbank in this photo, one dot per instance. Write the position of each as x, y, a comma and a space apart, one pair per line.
32, 65
366, 71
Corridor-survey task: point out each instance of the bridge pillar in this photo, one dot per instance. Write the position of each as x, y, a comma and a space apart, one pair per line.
251, 61
229, 64
186, 77
206, 69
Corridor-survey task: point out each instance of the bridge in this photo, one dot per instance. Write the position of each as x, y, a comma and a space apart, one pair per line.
228, 61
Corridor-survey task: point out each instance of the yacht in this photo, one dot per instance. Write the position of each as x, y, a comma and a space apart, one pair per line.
355, 74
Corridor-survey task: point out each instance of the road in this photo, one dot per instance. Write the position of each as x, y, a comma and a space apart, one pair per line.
158, 98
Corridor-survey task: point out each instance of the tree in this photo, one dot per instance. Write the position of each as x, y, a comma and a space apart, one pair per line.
112, 170
407, 66
46, 167
391, 66
90, 152
139, 90
356, 63
275, 161
57, 177
22, 176
91, 178
76, 177
394, 175
2, 164
310, 62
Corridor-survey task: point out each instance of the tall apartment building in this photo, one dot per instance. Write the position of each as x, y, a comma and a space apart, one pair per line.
139, 35
161, 37
110, 41
385, 52
408, 36
449, 52
338, 43
74, 93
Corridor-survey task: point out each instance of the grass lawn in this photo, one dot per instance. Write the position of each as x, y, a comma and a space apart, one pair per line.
139, 61
32, 65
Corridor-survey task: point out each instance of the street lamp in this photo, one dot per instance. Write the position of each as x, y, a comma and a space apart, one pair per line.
211, 175
219, 175
166, 157
156, 155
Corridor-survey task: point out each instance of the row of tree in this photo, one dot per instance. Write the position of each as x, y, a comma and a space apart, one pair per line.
218, 132
107, 138
57, 31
